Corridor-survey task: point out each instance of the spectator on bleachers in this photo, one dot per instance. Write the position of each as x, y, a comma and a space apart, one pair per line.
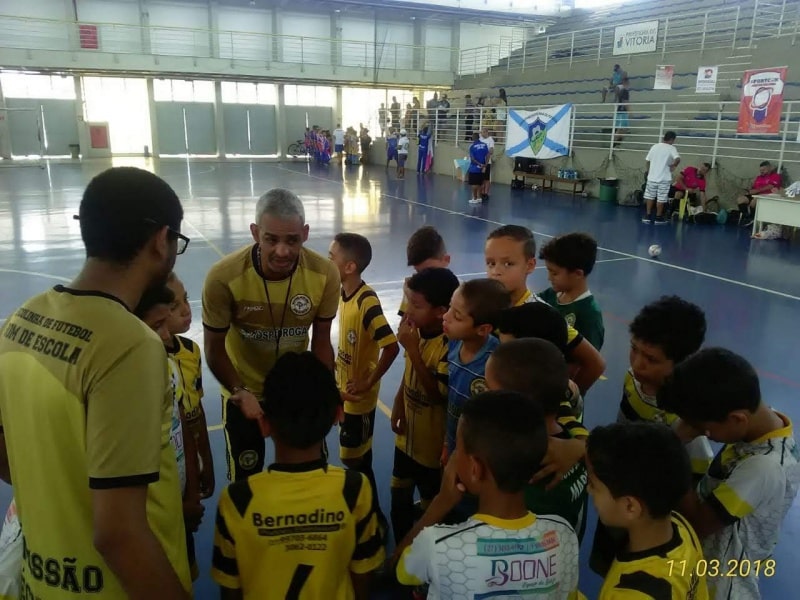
622, 116
408, 118
617, 76
415, 113
394, 109
768, 180
692, 181
469, 112
432, 105
383, 118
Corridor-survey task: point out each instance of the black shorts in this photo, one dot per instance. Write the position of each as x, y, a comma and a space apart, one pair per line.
355, 435
487, 173
408, 473
475, 178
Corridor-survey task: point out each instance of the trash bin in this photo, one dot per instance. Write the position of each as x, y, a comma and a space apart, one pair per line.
75, 151
608, 190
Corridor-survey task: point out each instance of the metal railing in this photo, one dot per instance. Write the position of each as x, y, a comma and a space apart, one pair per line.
715, 29
114, 38
706, 130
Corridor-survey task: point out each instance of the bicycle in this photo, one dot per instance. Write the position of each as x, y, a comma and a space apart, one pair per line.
296, 149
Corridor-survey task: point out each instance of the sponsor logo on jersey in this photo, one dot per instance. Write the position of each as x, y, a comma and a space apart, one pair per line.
570, 319
351, 336
478, 386
300, 305
248, 459
316, 521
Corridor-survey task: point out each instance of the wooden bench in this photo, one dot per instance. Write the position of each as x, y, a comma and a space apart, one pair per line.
544, 178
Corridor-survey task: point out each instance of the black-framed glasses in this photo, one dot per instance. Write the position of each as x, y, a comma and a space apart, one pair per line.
183, 241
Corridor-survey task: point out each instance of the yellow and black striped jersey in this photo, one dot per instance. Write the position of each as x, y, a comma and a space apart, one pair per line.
667, 572
363, 332
186, 356
296, 531
265, 319
426, 417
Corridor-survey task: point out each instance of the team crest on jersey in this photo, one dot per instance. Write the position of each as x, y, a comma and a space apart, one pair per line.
478, 386
300, 305
351, 336
248, 459
570, 318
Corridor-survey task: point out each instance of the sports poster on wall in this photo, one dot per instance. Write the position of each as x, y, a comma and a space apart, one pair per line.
664, 75
762, 101
542, 133
706, 80
636, 38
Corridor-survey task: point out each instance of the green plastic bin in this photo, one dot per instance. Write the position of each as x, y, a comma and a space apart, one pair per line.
608, 190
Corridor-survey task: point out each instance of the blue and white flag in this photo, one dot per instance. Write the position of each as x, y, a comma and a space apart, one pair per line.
540, 134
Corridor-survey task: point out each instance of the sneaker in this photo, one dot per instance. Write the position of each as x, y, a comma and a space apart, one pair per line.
647, 220
484, 196
475, 201
661, 220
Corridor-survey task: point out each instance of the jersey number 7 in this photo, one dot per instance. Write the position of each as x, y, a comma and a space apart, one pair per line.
301, 575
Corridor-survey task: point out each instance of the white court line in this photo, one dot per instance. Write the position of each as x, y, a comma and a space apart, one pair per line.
36, 274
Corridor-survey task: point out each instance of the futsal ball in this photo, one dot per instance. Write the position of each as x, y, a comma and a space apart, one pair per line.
654, 250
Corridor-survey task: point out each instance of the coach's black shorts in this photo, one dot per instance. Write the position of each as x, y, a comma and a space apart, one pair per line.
355, 435
475, 178
244, 443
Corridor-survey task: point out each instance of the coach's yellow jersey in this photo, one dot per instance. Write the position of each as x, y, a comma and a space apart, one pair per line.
363, 332
668, 572
85, 404
423, 439
573, 337
186, 357
296, 531
265, 319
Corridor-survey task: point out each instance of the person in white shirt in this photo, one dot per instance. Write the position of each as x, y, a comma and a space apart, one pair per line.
402, 153
661, 161
338, 141
487, 139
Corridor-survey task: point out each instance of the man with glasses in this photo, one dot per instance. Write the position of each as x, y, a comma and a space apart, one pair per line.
86, 407
259, 303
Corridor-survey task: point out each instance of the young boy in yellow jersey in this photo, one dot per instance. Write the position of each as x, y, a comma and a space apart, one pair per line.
302, 528
425, 249
185, 355
504, 549
510, 257
740, 503
155, 309
664, 333
419, 409
367, 348
659, 552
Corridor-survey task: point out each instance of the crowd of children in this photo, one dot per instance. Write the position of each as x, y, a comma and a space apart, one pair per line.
488, 432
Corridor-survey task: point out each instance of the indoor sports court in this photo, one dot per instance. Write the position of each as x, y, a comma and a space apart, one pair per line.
748, 288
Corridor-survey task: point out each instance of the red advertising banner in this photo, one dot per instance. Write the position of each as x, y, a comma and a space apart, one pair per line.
762, 100
88, 37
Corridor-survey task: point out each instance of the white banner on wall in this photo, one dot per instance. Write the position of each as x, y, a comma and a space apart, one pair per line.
707, 80
636, 38
542, 133
664, 75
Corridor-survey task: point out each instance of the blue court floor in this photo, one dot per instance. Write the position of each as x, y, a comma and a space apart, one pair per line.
749, 289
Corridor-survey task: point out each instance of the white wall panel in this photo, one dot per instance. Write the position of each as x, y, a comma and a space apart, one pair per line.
358, 36
191, 40
244, 33
437, 37
119, 24
314, 29
395, 41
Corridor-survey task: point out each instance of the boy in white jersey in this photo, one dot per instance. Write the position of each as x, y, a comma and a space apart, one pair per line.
738, 506
504, 549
